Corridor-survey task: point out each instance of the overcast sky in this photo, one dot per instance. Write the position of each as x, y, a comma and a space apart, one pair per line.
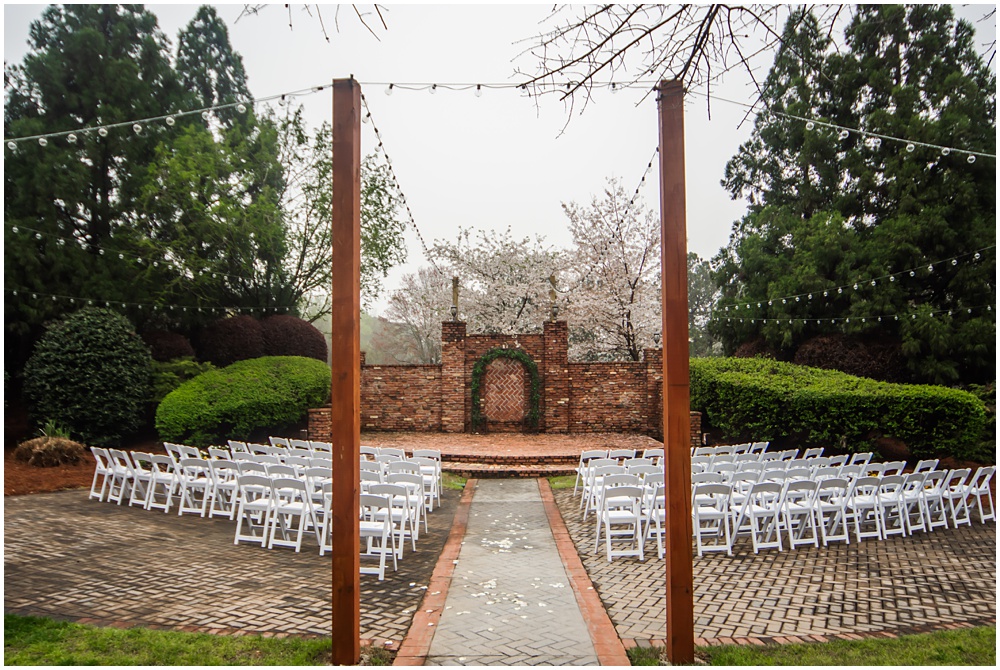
488, 162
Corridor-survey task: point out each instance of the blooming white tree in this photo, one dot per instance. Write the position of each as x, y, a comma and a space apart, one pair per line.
504, 281
614, 276
417, 309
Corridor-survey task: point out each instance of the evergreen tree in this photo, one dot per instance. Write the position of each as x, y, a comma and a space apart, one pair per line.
829, 211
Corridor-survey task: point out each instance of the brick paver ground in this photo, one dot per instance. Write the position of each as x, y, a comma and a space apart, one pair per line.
929, 580
68, 557
510, 600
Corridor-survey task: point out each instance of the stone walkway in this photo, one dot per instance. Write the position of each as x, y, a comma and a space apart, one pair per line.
928, 581
510, 600
68, 557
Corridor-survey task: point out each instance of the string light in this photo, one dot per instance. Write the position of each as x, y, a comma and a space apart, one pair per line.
395, 179
856, 285
846, 320
875, 138
17, 292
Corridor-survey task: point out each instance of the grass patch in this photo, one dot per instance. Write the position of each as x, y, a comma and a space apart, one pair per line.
966, 646
453, 482
562, 482
41, 641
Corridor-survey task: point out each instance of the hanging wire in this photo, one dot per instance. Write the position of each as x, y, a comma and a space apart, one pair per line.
22, 292
860, 283
811, 123
381, 148
877, 318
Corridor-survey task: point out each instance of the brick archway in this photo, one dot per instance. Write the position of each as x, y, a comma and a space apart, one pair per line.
504, 395
516, 370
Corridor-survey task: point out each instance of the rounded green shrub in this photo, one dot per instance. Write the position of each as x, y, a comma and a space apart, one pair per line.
232, 402
90, 372
286, 335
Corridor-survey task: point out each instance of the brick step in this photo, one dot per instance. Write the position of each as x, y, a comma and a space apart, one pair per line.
570, 461
496, 470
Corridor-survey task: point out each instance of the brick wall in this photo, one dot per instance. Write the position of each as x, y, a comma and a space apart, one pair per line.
576, 397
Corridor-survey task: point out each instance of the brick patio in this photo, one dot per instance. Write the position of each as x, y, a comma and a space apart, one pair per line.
67, 557
901, 585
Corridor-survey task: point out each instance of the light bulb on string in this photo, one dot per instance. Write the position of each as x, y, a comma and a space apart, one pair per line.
388, 89
844, 134
137, 128
42, 142
71, 138
910, 147
38, 236
205, 115
366, 118
810, 125
945, 151
171, 121
14, 230
971, 159
614, 88
954, 261
976, 256
103, 132
434, 89
12, 146
241, 108
479, 91
930, 268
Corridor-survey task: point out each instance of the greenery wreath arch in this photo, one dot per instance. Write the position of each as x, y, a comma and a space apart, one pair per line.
479, 369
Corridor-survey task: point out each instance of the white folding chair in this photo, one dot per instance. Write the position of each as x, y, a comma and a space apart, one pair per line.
932, 492
915, 502
319, 447
893, 467
219, 453
404, 519
225, 488
620, 518
812, 452
762, 509
292, 514
954, 491
278, 441
254, 509
798, 510
892, 506
194, 480
121, 473
393, 451
711, 519
414, 484
162, 482
928, 465
585, 457
377, 532
236, 447
101, 471
140, 463
863, 508
831, 502
979, 489
860, 458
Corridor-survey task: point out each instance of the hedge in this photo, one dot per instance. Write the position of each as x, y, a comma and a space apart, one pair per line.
230, 339
233, 401
763, 399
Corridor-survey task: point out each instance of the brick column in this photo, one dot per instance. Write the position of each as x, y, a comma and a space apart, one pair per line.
654, 392
555, 377
453, 380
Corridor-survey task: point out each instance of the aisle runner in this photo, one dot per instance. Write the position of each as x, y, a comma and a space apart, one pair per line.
510, 602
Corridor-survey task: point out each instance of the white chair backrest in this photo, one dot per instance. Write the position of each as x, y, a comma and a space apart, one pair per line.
278, 441
257, 448
708, 478
235, 446
926, 465
394, 451
893, 467
813, 452
252, 467
280, 470
299, 444
403, 466
369, 451
838, 461
219, 453
621, 453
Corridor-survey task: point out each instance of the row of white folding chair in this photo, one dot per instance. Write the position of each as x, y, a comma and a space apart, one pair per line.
270, 506
310, 445
743, 448
596, 469
428, 469
654, 453
876, 507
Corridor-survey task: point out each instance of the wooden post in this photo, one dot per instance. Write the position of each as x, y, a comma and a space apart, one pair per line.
345, 392
676, 392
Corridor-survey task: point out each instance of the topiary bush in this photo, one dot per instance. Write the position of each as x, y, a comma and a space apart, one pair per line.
876, 360
235, 338
767, 400
286, 335
89, 372
49, 452
233, 401
168, 375
166, 346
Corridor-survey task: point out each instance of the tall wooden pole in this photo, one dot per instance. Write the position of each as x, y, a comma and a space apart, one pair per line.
676, 392
345, 392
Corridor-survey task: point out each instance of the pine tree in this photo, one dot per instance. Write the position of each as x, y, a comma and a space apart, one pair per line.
830, 209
